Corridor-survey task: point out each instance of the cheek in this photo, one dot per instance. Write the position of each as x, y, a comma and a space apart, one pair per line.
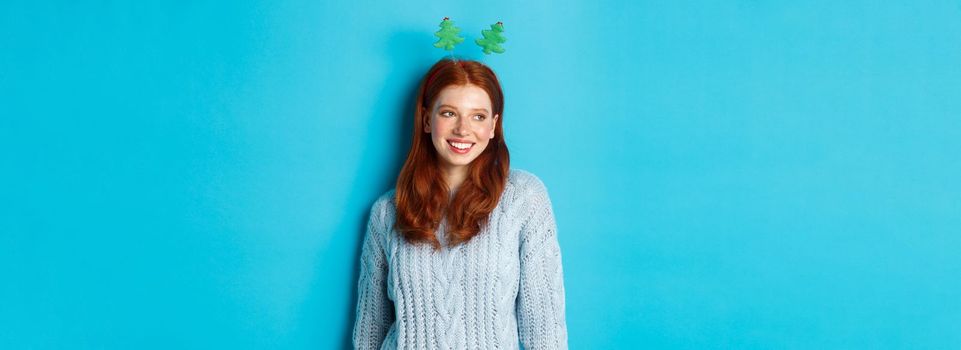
440, 124
437, 138
440, 129
488, 130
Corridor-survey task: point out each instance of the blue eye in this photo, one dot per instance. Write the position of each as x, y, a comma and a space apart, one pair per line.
481, 116
445, 113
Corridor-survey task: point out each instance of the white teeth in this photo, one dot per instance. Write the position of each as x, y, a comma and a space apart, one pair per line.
461, 145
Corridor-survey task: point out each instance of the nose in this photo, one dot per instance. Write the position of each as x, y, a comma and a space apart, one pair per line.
463, 126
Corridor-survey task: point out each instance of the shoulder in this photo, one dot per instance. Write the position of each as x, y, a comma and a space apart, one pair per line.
525, 182
385, 200
526, 190
385, 203
382, 211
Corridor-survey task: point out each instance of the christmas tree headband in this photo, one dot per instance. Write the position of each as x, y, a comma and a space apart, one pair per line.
448, 39
490, 43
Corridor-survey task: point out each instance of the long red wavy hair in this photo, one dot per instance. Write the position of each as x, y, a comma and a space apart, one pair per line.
421, 193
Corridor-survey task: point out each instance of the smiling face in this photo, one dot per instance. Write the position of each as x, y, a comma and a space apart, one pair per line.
461, 125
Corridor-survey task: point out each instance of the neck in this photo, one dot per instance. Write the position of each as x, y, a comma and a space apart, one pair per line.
454, 176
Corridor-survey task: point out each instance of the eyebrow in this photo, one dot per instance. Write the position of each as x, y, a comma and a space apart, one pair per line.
475, 109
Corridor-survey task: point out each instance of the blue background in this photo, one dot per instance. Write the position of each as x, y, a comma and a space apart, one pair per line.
738, 174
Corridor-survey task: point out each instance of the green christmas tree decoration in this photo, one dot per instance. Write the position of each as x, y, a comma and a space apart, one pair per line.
448, 35
492, 39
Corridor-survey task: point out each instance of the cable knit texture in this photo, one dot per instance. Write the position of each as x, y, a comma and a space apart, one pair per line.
502, 289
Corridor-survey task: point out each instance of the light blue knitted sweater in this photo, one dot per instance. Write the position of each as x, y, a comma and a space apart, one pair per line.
501, 289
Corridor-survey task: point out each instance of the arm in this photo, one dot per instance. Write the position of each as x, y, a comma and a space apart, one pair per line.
375, 312
540, 301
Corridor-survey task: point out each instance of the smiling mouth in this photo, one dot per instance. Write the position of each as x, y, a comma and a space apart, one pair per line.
460, 147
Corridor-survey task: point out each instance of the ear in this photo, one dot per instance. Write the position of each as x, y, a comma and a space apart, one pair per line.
494, 127
426, 120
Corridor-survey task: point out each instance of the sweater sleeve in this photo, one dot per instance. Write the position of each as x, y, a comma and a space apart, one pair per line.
375, 311
540, 302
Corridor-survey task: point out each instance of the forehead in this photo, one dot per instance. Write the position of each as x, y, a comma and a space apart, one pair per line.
464, 97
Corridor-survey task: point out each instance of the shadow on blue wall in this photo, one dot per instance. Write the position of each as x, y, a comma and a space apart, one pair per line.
397, 117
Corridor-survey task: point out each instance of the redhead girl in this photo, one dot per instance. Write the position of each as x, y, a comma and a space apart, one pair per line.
463, 252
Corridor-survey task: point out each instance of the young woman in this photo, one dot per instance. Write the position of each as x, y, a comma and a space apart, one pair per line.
463, 252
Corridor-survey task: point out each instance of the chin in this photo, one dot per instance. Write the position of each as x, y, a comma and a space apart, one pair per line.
461, 161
